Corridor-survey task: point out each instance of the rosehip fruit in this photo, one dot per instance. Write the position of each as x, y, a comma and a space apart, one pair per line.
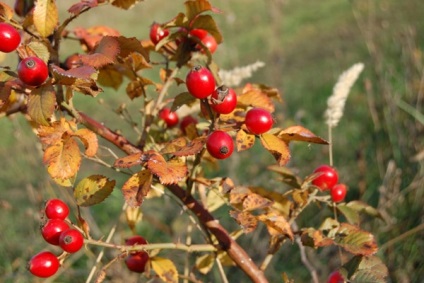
171, 118
220, 145
200, 82
338, 192
258, 121
43, 264
335, 277
52, 230
187, 121
137, 262
328, 178
199, 33
33, 71
210, 42
135, 240
73, 61
224, 100
71, 240
9, 38
56, 209
157, 33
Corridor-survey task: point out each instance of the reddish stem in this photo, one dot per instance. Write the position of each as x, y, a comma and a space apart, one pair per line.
228, 244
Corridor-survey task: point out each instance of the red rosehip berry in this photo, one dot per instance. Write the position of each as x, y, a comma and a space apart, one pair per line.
210, 42
33, 71
71, 240
220, 144
73, 61
187, 121
338, 192
200, 82
171, 118
224, 100
335, 277
157, 33
137, 262
9, 38
56, 209
258, 121
199, 33
135, 240
43, 264
328, 178
52, 229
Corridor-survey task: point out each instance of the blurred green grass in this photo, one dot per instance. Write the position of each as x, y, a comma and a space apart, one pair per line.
305, 44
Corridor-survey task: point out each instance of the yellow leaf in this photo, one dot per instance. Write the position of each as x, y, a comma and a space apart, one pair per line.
38, 49
137, 187
244, 140
41, 104
63, 159
89, 139
93, 190
125, 4
277, 147
45, 17
165, 269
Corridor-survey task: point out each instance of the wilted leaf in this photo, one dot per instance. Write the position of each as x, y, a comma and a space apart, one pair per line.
104, 54
254, 201
125, 4
194, 8
206, 22
63, 159
52, 134
280, 202
93, 190
244, 140
77, 8
238, 194
129, 161
237, 116
81, 79
168, 172
299, 133
136, 88
137, 187
314, 238
277, 147
41, 104
165, 269
355, 240
45, 17
129, 45
277, 225
247, 221
365, 269
288, 176
192, 148
90, 37
136, 62
174, 145
109, 76
214, 200
6, 11
300, 197
256, 98
184, 98
89, 140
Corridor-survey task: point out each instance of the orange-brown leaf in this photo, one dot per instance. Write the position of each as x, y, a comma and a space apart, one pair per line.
104, 54
256, 98
128, 46
52, 134
277, 147
314, 238
77, 8
93, 190
192, 148
277, 225
137, 187
247, 221
244, 140
63, 159
355, 240
125, 4
174, 145
89, 140
194, 8
129, 161
254, 201
168, 172
238, 194
299, 133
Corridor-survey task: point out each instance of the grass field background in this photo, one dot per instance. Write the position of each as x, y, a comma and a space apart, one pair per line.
306, 45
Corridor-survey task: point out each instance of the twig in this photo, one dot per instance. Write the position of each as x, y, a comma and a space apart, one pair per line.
304, 257
401, 237
221, 271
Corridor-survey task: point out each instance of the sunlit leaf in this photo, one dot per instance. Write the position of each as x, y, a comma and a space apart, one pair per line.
137, 187
244, 140
52, 134
365, 269
129, 161
277, 225
299, 133
362, 207
238, 194
205, 263
109, 76
89, 140
256, 98
255, 201
280, 202
125, 4
351, 215
81, 79
170, 172
192, 148
136, 62
129, 45
184, 98
246, 220
93, 190
63, 159
104, 54
41, 104
90, 37
38, 49
137, 87
355, 240
315, 238
277, 147
165, 269
77, 8
194, 8
237, 116
45, 17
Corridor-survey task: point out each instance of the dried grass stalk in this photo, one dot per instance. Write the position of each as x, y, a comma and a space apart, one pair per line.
233, 78
337, 100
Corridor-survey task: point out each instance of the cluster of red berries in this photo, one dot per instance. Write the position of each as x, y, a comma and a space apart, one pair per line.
56, 231
157, 33
136, 261
32, 70
223, 100
327, 180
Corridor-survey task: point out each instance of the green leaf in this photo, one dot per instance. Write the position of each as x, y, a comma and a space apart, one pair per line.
351, 215
93, 190
362, 269
41, 104
184, 98
362, 207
